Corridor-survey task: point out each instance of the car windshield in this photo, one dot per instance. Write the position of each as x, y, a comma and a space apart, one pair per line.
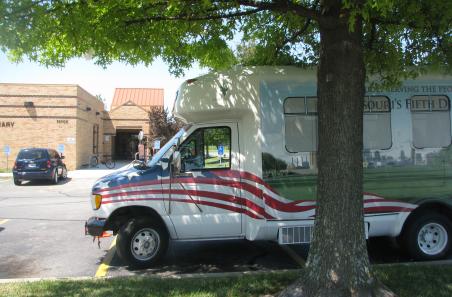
32, 154
165, 148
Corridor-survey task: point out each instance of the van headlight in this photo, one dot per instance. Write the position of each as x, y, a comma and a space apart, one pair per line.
97, 201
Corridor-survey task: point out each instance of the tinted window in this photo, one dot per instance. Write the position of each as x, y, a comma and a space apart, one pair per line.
207, 148
377, 123
430, 118
300, 118
32, 154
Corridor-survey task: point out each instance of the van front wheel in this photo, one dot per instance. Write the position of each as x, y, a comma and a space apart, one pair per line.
141, 243
428, 237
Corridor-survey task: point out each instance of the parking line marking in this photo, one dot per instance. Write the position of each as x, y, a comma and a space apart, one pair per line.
3, 221
299, 260
103, 267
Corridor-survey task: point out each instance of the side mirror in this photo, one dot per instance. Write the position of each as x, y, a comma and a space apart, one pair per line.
176, 162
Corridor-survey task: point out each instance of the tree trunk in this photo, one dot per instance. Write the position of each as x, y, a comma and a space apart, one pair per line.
338, 263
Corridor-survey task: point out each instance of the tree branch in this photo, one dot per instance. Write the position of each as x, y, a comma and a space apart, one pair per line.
284, 6
371, 40
297, 33
187, 17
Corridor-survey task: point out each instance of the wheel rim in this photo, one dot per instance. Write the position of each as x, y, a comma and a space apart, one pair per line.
432, 238
55, 178
64, 172
145, 244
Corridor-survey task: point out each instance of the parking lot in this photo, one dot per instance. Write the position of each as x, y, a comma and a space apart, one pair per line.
42, 235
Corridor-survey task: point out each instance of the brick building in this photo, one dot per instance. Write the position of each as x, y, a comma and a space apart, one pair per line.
69, 119
127, 116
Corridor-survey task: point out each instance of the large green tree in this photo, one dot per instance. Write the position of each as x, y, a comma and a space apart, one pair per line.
346, 40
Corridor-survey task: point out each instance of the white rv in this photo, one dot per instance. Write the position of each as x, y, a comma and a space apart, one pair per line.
246, 167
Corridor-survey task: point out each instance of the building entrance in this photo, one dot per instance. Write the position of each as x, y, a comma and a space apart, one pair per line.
126, 144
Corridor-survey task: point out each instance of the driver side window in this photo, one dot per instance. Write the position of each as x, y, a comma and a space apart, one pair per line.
207, 148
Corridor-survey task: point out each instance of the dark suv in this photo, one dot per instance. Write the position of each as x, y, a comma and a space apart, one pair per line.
39, 163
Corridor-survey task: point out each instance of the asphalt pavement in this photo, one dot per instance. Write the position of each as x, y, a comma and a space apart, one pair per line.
42, 236
42, 230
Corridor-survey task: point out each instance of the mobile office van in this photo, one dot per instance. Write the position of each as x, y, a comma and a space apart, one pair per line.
246, 167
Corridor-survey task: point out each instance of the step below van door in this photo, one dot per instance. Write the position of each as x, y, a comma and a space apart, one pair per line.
204, 200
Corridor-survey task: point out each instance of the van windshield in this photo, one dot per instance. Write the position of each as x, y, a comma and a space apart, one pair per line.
165, 148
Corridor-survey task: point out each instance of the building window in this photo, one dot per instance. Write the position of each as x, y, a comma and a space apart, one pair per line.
95, 139
377, 123
300, 117
430, 118
207, 148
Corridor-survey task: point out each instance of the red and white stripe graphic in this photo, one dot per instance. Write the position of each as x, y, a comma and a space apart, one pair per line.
252, 196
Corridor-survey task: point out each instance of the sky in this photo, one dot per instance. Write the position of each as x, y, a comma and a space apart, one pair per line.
95, 79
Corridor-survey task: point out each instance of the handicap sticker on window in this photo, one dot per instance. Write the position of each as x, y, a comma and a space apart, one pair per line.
220, 150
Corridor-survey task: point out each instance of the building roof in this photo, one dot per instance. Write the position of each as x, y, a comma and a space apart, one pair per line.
143, 97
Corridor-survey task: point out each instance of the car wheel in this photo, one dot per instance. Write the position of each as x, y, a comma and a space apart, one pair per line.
64, 173
428, 237
142, 242
17, 182
55, 177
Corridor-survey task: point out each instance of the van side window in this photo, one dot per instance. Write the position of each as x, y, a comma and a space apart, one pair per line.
377, 123
300, 118
430, 118
207, 148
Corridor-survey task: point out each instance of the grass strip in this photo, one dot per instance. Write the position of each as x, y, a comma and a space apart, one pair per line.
404, 280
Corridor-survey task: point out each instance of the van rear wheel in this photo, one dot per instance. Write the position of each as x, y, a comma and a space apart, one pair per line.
142, 242
428, 237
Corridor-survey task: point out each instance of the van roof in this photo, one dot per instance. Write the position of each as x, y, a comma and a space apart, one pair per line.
231, 93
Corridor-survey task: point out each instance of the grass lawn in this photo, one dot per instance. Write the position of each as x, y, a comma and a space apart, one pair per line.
3, 170
404, 280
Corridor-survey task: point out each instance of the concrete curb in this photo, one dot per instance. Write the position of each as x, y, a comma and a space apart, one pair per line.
153, 276
199, 275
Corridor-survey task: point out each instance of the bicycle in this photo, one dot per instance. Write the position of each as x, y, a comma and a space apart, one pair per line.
107, 161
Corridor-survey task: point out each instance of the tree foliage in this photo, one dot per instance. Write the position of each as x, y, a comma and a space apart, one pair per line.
163, 125
397, 35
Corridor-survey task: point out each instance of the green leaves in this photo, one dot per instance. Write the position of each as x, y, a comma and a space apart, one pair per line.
218, 34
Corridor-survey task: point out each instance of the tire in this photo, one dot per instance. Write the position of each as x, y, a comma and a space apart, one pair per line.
64, 173
55, 177
428, 237
142, 242
17, 182
110, 164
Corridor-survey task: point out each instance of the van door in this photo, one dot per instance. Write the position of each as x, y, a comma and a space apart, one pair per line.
203, 203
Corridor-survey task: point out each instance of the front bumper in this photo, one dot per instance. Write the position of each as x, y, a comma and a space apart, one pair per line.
95, 226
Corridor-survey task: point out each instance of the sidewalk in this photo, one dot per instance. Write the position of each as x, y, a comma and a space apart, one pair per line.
95, 172
98, 171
